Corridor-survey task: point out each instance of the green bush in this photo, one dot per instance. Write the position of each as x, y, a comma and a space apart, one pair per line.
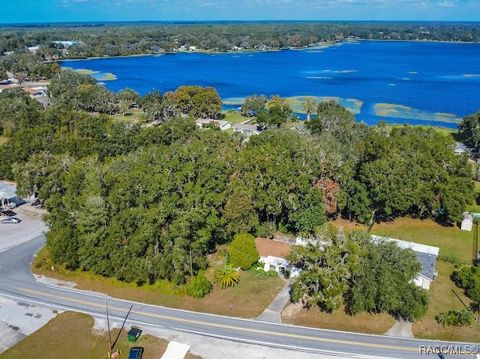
199, 286
265, 230
456, 318
242, 252
226, 276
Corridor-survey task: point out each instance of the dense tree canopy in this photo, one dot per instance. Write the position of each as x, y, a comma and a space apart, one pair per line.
411, 171
363, 275
142, 202
469, 131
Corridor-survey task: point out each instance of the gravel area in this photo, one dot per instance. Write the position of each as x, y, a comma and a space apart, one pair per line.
18, 320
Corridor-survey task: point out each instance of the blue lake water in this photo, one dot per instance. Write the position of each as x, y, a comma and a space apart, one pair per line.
399, 82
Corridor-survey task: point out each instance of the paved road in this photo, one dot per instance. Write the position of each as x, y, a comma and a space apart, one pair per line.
17, 282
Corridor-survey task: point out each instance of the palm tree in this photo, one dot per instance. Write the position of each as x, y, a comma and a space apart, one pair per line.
226, 276
309, 106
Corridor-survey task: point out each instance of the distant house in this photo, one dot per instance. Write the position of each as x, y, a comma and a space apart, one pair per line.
205, 122
33, 49
426, 256
65, 43
246, 129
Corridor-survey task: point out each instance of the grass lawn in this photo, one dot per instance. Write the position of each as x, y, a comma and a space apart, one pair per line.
338, 320
248, 299
451, 240
441, 299
234, 117
474, 207
70, 335
135, 116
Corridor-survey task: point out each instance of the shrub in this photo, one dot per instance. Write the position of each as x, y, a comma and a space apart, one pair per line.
265, 230
242, 252
199, 286
456, 318
226, 276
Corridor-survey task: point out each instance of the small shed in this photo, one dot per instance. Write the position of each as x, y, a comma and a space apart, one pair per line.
467, 222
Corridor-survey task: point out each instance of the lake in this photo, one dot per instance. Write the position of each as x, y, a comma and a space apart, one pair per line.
399, 82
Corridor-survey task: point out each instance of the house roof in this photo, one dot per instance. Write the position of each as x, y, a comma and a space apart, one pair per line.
426, 255
416, 247
427, 261
268, 247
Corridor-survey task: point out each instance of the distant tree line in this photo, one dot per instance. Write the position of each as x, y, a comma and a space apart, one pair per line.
115, 40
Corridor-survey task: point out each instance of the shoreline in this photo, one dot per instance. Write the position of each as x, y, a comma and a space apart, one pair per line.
423, 41
319, 46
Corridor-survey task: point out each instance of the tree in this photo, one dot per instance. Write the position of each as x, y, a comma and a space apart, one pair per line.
242, 251
275, 116
240, 213
311, 215
326, 271
127, 98
469, 131
3, 74
309, 106
383, 282
63, 87
412, 171
199, 286
456, 318
95, 98
333, 119
469, 280
366, 275
253, 105
198, 102
226, 276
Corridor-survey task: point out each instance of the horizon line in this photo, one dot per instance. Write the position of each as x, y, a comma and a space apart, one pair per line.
99, 22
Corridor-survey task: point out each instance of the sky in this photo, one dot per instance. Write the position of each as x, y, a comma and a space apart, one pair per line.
28, 11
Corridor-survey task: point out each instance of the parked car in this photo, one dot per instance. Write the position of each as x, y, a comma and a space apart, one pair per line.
11, 220
136, 353
8, 213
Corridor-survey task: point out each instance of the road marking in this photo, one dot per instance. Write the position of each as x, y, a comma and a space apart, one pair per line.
223, 326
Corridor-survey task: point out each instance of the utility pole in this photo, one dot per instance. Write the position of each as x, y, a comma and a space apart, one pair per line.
108, 327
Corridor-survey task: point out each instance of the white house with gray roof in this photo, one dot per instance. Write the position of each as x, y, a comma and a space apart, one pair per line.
426, 256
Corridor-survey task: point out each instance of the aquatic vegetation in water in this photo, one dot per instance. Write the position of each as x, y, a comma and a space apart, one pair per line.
106, 76
233, 101
87, 72
351, 104
296, 102
404, 112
